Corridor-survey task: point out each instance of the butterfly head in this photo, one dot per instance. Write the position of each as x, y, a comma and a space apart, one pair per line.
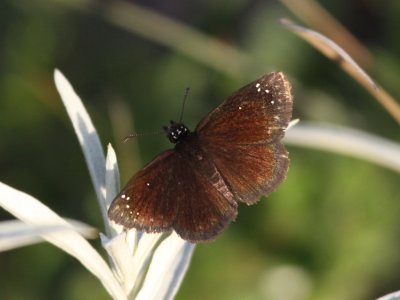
176, 131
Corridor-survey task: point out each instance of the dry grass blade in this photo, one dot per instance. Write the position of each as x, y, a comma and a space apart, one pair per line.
316, 16
336, 53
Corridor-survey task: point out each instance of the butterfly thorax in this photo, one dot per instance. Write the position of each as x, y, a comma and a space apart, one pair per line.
176, 131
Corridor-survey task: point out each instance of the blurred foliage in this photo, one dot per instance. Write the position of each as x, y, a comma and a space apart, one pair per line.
332, 229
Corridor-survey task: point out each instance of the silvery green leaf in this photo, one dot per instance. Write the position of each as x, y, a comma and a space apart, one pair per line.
87, 136
138, 261
112, 188
15, 234
112, 175
347, 141
392, 296
32, 211
121, 260
167, 269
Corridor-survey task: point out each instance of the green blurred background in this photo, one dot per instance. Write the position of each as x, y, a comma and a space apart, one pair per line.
331, 230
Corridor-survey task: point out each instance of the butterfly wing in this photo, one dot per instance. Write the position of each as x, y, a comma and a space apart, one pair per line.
146, 203
173, 193
242, 136
235, 154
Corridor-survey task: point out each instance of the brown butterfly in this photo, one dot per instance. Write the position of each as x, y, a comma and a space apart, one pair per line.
234, 155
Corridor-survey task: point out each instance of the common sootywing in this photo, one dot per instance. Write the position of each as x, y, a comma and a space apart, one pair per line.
234, 155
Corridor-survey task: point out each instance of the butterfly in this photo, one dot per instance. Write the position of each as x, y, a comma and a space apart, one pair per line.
235, 155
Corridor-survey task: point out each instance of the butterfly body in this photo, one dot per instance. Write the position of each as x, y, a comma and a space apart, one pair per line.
234, 155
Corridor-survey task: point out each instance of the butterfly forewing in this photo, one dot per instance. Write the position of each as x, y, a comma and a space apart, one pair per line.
187, 202
257, 113
146, 202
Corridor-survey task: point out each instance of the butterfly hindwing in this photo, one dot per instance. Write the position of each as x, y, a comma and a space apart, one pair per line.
251, 171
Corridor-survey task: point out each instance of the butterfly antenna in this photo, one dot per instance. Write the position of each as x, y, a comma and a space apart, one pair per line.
183, 104
134, 135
